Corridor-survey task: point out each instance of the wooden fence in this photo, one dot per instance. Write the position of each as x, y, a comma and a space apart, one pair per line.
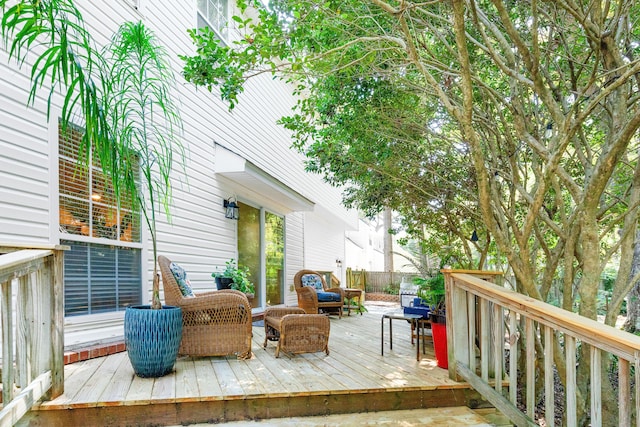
377, 281
31, 303
482, 317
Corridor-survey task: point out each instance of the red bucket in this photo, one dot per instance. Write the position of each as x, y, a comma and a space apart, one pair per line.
439, 331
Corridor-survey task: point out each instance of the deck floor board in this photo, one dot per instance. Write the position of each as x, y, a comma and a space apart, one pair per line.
119, 386
354, 365
187, 386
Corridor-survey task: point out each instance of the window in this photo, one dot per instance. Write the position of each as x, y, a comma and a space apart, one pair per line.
100, 278
102, 271
214, 14
87, 203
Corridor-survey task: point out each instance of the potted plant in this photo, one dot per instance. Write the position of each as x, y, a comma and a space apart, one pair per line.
234, 277
131, 126
432, 291
142, 83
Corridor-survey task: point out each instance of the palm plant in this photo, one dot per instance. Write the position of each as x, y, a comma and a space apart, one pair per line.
121, 95
145, 123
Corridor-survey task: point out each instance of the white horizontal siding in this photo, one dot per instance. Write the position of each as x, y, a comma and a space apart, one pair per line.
324, 244
198, 236
294, 240
24, 161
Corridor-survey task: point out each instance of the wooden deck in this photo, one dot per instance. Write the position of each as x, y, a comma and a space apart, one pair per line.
353, 378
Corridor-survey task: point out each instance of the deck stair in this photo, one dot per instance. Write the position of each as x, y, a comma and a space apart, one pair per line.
442, 417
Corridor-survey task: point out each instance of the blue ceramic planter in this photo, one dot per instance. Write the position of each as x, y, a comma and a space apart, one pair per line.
152, 338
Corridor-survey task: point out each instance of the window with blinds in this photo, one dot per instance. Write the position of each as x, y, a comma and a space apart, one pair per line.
214, 14
100, 278
87, 203
102, 271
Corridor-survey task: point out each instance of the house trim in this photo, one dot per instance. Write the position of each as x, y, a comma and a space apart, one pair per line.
254, 183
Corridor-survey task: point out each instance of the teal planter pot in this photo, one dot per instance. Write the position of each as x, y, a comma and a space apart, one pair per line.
152, 338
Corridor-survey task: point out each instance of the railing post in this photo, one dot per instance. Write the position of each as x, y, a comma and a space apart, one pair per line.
7, 343
24, 329
457, 326
57, 325
460, 336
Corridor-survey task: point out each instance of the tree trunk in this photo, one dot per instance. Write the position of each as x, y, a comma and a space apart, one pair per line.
388, 241
633, 300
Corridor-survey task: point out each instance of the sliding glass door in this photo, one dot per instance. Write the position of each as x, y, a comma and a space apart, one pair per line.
261, 249
274, 258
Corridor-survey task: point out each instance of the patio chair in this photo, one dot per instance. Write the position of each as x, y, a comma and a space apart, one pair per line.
216, 323
295, 331
314, 296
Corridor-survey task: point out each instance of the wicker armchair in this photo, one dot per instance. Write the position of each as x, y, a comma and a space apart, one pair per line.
308, 295
216, 323
295, 331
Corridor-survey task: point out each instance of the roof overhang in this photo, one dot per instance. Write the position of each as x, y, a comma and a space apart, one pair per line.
248, 180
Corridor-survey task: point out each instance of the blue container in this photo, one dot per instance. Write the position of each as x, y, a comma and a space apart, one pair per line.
152, 338
423, 311
419, 302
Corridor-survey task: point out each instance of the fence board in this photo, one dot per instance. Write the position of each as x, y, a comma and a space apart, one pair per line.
378, 281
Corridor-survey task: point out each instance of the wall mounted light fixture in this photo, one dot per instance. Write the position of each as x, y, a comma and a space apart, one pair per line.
231, 209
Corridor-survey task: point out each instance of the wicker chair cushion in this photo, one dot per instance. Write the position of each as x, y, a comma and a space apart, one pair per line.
312, 280
180, 275
328, 296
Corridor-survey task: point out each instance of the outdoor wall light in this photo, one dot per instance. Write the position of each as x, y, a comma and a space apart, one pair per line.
339, 263
231, 208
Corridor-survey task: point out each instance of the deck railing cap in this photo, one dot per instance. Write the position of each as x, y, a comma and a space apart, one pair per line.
464, 271
13, 246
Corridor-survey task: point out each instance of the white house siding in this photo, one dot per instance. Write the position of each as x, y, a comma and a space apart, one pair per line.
294, 260
24, 161
198, 236
324, 245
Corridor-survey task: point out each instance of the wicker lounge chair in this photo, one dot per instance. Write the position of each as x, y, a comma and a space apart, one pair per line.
309, 286
295, 331
216, 323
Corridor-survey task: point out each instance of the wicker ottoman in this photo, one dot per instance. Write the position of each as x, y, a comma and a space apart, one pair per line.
295, 331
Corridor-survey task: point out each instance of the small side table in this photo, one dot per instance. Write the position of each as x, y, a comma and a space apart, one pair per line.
427, 334
351, 294
414, 319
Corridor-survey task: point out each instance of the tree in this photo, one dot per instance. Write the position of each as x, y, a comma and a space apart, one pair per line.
530, 107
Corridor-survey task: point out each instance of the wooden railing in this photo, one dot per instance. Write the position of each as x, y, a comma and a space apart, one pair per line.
482, 317
31, 306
